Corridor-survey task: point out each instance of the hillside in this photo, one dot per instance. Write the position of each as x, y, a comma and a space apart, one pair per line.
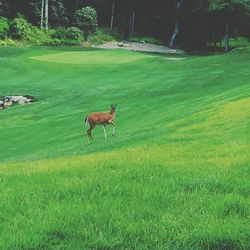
176, 176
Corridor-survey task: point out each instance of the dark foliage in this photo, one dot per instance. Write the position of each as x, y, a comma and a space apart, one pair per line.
200, 21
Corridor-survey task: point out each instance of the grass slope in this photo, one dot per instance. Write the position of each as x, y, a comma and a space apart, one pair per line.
176, 176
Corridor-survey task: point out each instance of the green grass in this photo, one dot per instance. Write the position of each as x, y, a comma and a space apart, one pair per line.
176, 176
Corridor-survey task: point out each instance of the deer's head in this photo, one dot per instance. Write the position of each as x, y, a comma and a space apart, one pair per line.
113, 108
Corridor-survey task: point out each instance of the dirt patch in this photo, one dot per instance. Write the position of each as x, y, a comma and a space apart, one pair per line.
144, 47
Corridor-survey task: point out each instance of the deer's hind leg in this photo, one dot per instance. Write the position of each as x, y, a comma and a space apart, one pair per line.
91, 127
113, 130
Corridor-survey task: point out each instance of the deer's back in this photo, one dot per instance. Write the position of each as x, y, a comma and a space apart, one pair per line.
99, 118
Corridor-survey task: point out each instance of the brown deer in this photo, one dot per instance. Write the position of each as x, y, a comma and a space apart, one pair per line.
101, 118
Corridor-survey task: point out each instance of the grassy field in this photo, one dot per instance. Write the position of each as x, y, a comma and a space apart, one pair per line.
176, 176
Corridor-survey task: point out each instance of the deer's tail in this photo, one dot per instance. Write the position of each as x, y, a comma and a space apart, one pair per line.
86, 121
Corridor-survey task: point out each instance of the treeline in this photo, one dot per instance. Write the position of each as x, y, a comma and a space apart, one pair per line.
192, 24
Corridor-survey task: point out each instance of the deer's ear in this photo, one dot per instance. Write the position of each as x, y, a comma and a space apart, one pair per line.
112, 105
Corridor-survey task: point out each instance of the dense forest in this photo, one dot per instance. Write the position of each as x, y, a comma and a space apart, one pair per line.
191, 24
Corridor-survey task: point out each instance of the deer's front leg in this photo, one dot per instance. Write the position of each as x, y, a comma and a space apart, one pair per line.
104, 130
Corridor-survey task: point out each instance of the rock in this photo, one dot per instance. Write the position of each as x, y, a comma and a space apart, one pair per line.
30, 98
172, 51
7, 101
21, 102
16, 98
1, 104
120, 44
125, 44
24, 100
7, 98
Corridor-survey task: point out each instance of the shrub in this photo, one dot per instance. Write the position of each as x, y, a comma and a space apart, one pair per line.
69, 36
37, 37
4, 28
9, 42
101, 36
69, 33
20, 28
118, 34
59, 33
74, 33
86, 20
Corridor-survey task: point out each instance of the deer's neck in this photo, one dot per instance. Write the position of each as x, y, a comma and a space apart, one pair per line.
112, 113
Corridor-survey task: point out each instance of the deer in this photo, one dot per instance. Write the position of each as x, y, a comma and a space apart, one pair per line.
101, 118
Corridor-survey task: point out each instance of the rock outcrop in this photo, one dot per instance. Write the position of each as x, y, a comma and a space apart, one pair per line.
7, 101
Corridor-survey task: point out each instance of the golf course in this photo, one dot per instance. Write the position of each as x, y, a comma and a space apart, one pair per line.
175, 175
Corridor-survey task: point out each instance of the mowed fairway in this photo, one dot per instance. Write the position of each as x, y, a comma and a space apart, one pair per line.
176, 176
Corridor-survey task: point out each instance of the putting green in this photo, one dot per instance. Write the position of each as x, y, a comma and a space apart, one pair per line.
92, 57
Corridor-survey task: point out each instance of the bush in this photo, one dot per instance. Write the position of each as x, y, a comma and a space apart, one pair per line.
69, 33
74, 33
20, 28
116, 33
4, 28
9, 42
69, 36
100, 36
59, 33
86, 20
36, 36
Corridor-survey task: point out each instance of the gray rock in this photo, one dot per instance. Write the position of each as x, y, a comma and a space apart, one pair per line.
1, 104
7, 98
172, 51
16, 98
8, 103
120, 44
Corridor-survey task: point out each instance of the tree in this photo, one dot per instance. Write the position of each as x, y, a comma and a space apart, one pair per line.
112, 14
86, 20
46, 14
131, 25
58, 14
4, 8
44, 22
228, 9
42, 15
176, 23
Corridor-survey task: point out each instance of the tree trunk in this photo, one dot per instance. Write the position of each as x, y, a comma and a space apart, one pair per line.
176, 24
42, 15
227, 37
46, 14
175, 34
112, 14
132, 17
